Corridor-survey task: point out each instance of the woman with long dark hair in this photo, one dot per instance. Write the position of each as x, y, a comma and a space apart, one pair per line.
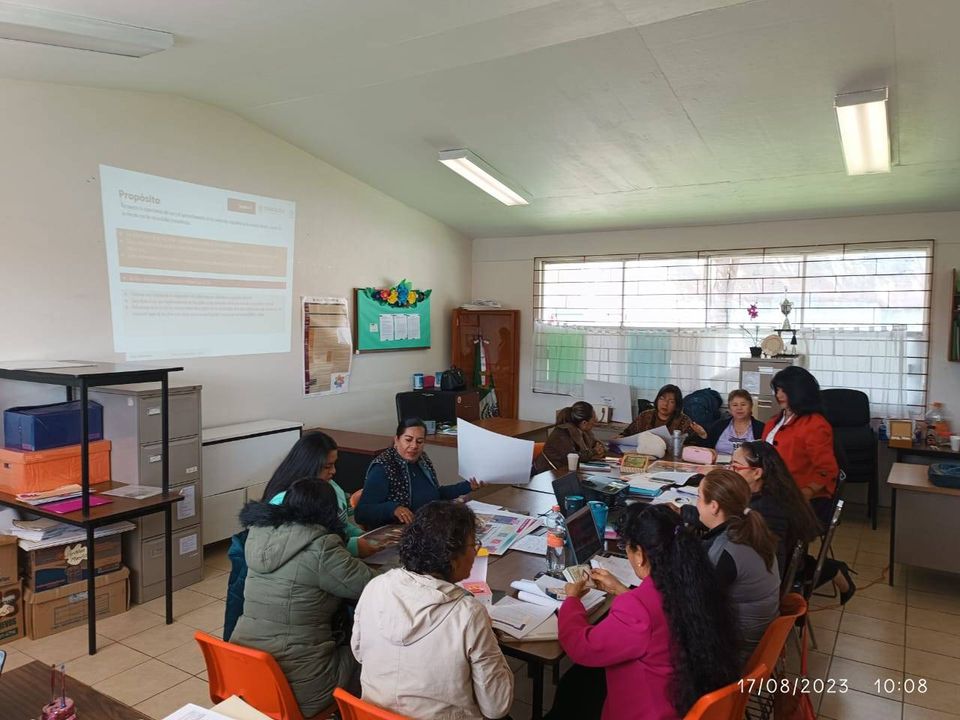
667, 411
299, 574
573, 433
775, 496
402, 479
663, 644
743, 551
804, 438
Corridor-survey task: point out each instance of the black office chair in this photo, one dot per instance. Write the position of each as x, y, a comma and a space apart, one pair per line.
848, 411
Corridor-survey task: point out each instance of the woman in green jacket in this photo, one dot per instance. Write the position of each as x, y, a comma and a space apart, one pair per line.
298, 575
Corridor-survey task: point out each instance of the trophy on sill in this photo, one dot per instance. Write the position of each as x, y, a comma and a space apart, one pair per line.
785, 307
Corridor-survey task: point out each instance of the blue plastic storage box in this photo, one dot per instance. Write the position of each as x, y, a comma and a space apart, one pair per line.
945, 475
41, 427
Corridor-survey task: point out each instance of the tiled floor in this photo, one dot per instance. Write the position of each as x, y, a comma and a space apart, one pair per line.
911, 631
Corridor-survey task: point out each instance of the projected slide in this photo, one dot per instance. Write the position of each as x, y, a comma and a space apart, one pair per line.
195, 270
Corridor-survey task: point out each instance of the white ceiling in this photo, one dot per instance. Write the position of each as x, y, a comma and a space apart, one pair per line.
610, 113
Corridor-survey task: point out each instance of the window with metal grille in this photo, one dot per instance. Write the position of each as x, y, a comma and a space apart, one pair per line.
862, 315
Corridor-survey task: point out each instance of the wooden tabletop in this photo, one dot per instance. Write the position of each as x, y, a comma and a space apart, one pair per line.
510, 427
357, 442
907, 476
25, 690
120, 508
517, 500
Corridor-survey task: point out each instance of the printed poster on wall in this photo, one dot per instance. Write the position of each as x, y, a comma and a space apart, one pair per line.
327, 346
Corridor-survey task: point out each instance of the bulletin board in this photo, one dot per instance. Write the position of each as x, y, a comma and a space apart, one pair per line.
396, 318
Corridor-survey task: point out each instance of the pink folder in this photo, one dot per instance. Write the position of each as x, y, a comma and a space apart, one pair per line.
65, 506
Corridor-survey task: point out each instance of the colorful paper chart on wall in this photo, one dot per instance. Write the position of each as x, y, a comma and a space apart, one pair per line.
327, 346
394, 318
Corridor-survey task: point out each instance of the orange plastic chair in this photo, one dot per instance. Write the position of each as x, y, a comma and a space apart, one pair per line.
727, 703
252, 675
770, 647
355, 498
353, 708
538, 449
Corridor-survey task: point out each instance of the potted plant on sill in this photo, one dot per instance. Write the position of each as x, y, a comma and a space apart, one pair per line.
754, 336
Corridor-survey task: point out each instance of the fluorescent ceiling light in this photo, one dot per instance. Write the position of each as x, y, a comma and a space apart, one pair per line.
862, 117
47, 27
470, 167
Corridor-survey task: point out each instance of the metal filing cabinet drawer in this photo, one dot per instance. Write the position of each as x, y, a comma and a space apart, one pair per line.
184, 462
185, 513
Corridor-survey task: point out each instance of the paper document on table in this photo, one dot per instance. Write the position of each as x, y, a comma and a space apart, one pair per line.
500, 530
672, 476
535, 544
491, 457
677, 497
481, 507
517, 618
137, 492
545, 591
195, 712
619, 567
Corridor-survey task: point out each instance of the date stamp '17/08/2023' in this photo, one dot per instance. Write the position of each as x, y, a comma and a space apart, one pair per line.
830, 686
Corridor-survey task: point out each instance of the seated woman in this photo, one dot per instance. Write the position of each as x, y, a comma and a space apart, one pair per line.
402, 479
299, 573
573, 433
314, 455
804, 438
425, 644
788, 515
667, 411
663, 644
743, 551
727, 434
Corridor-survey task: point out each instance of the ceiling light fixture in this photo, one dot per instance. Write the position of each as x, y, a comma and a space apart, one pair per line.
48, 27
470, 167
862, 117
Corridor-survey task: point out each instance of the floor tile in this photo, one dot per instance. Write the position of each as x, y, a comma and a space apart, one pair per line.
15, 659
214, 586
933, 581
825, 619
60, 648
925, 664
826, 639
879, 609
184, 601
934, 601
208, 618
521, 710
933, 641
869, 651
162, 704
872, 558
133, 621
912, 712
110, 661
863, 677
187, 657
141, 682
854, 705
941, 696
880, 590
203, 675
163, 638
873, 629
933, 620
215, 555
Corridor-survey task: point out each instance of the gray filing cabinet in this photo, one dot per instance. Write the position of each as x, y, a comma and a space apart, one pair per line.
131, 420
755, 376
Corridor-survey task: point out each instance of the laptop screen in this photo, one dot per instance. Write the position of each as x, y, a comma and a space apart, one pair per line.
584, 539
568, 484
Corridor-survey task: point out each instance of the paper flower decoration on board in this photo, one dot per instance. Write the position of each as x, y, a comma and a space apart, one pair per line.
402, 295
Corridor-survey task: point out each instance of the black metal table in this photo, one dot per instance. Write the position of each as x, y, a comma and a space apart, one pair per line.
82, 376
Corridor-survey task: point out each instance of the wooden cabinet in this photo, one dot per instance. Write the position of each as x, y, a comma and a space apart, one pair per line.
500, 332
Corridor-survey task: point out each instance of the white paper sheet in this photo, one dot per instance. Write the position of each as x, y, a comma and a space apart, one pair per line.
617, 395
481, 507
751, 382
672, 476
188, 544
399, 327
517, 618
619, 567
534, 544
413, 327
187, 507
491, 457
137, 492
195, 712
677, 497
386, 328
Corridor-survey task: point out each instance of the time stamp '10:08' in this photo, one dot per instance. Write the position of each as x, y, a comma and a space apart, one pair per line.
830, 686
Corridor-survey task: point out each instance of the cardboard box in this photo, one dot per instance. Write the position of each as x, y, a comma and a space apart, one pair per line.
37, 470
8, 560
60, 565
11, 612
53, 611
901, 434
41, 427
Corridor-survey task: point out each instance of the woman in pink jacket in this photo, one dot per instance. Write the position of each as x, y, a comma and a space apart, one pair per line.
664, 643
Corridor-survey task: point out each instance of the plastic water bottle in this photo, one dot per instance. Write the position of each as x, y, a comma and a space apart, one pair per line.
556, 542
677, 445
882, 430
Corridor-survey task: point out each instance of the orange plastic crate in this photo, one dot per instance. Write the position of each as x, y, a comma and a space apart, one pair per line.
35, 470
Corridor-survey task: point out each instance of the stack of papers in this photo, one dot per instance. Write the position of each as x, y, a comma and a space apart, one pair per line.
75, 534
63, 492
36, 530
535, 544
501, 529
523, 620
619, 567
678, 497
536, 592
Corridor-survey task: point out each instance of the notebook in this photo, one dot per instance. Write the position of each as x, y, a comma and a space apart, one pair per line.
68, 506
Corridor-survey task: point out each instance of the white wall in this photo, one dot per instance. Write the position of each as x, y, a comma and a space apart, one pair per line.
53, 263
503, 269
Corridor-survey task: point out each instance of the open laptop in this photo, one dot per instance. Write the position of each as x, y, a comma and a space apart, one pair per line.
584, 540
565, 485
